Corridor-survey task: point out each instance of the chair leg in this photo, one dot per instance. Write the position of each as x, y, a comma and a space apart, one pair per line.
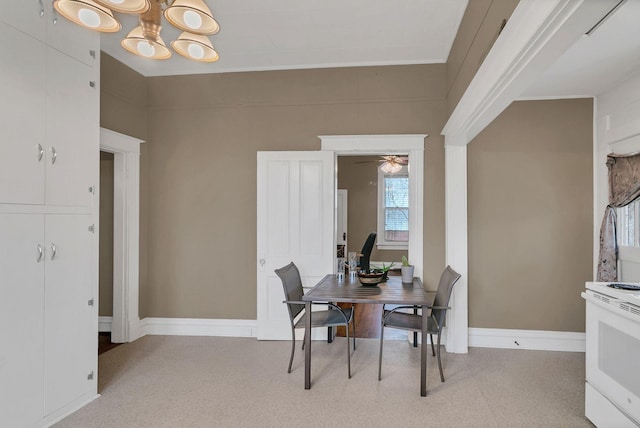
440, 362
348, 351
293, 348
380, 357
303, 339
433, 350
354, 327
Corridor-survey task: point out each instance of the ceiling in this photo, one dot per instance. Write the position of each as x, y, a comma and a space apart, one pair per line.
291, 34
595, 63
286, 34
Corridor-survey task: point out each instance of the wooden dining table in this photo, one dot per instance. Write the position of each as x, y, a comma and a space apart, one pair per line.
349, 290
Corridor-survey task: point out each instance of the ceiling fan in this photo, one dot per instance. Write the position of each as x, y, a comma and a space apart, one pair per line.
391, 164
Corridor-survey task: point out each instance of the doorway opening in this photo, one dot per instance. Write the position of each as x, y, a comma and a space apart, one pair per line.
105, 264
125, 150
361, 209
366, 150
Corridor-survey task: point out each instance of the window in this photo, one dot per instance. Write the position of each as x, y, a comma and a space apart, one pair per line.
393, 210
628, 228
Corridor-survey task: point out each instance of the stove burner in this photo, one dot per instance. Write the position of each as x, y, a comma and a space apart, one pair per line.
624, 286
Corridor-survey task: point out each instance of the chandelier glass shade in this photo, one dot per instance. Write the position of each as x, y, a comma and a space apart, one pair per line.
193, 17
196, 47
89, 14
137, 44
126, 6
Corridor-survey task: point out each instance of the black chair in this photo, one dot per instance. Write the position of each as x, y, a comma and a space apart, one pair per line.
334, 317
413, 322
365, 254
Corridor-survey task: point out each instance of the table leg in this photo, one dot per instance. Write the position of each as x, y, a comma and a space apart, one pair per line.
415, 333
423, 354
307, 346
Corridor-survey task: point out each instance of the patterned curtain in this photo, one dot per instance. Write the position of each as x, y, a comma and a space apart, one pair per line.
624, 188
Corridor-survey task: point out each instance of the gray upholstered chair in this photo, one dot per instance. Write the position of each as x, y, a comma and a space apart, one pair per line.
336, 316
413, 322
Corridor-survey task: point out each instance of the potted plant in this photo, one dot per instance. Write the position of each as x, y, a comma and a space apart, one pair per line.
385, 270
407, 271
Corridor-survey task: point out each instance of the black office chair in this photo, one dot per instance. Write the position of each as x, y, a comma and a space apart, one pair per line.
413, 322
365, 254
336, 316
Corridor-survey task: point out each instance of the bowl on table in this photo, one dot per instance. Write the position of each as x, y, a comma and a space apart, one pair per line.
372, 277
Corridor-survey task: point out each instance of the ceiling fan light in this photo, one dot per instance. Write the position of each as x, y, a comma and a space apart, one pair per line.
136, 44
88, 14
193, 16
126, 6
195, 47
390, 167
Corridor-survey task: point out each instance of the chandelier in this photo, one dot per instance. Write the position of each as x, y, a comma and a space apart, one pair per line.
193, 17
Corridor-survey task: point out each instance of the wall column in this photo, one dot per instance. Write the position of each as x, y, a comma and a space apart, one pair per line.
456, 245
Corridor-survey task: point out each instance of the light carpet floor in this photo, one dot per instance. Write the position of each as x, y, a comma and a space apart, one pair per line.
177, 381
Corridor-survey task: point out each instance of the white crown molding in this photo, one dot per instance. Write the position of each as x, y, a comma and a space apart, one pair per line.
527, 339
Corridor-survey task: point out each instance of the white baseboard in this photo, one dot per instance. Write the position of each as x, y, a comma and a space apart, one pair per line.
68, 409
527, 339
104, 324
478, 337
198, 327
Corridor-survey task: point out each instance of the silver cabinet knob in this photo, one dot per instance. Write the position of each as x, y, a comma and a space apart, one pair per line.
41, 7
40, 152
54, 250
40, 253
54, 155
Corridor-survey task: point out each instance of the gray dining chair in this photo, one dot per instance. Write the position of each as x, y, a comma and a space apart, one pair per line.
334, 317
413, 322
365, 253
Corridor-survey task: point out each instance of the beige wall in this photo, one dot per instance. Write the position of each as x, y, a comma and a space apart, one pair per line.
359, 176
123, 98
198, 180
105, 307
203, 135
478, 31
531, 216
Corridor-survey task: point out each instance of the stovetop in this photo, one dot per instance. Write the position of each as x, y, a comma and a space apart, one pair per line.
630, 296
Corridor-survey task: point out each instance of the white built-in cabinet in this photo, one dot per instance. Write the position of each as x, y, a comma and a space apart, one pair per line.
49, 172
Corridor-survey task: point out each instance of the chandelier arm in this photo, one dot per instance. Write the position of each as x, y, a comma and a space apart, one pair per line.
150, 21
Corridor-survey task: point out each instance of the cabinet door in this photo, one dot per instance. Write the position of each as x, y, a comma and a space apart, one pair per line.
73, 146
22, 112
72, 39
21, 319
71, 330
27, 16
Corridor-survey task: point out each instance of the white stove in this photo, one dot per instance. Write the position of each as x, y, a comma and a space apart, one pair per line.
612, 390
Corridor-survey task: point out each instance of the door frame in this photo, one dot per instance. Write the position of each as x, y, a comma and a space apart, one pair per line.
411, 144
126, 233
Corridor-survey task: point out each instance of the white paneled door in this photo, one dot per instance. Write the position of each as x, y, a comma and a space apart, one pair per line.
296, 200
